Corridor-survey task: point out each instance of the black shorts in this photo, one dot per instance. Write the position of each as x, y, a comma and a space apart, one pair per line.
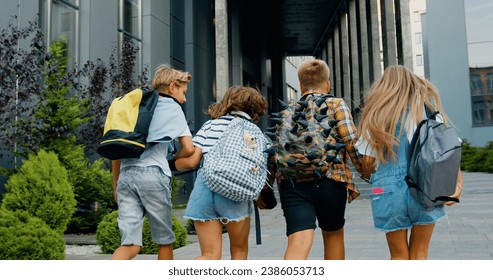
303, 203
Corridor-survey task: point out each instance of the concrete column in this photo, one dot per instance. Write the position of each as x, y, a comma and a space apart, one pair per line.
222, 55
324, 54
388, 33
376, 49
445, 38
365, 62
330, 61
345, 63
404, 23
337, 63
355, 56
236, 51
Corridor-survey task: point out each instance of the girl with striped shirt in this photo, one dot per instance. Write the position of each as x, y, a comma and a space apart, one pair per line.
208, 210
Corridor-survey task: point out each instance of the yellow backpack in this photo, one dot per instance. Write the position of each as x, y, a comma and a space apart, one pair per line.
127, 124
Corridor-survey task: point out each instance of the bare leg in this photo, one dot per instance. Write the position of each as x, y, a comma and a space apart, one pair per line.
299, 245
419, 241
165, 252
210, 239
334, 244
397, 241
125, 252
238, 238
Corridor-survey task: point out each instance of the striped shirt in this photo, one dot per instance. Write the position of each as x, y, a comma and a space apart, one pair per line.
210, 132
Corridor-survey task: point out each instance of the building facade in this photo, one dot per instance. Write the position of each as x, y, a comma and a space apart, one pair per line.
223, 43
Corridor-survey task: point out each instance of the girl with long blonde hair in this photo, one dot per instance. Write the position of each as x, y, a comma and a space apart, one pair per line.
393, 108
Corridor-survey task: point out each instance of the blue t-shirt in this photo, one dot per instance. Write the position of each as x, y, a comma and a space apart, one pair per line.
167, 124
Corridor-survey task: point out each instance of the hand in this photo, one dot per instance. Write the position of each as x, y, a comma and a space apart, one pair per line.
362, 176
260, 202
266, 199
457, 193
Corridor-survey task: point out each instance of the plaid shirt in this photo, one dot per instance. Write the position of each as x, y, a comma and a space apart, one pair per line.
346, 130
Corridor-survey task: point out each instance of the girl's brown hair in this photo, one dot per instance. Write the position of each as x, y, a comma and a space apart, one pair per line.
397, 95
240, 98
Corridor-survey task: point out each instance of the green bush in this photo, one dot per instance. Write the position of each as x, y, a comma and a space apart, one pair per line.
92, 185
180, 233
108, 235
477, 159
41, 188
23, 237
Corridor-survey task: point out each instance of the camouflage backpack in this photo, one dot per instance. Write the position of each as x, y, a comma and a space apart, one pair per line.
303, 139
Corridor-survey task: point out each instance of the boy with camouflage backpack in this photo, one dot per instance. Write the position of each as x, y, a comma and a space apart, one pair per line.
311, 140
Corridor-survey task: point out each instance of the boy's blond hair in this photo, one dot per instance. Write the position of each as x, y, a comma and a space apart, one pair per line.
165, 75
313, 73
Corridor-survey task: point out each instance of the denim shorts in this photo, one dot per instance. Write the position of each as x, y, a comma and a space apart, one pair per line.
393, 206
304, 203
144, 191
206, 205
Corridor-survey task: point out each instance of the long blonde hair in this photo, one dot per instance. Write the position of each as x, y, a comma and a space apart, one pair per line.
398, 94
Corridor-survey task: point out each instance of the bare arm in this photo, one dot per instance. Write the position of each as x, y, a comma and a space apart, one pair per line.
115, 169
368, 165
190, 162
458, 189
187, 147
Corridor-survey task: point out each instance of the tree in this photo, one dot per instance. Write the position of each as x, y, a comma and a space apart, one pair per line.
47, 104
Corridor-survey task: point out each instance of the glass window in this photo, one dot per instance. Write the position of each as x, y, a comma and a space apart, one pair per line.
489, 83
476, 85
417, 37
129, 28
292, 93
417, 16
130, 17
478, 117
64, 26
419, 60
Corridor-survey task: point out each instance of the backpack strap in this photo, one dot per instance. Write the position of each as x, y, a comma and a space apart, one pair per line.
430, 114
258, 235
410, 151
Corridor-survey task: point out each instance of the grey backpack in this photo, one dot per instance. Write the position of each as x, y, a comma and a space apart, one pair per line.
433, 161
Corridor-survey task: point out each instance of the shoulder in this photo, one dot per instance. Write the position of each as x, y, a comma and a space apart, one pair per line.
168, 101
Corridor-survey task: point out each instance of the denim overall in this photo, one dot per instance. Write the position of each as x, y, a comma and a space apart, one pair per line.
393, 206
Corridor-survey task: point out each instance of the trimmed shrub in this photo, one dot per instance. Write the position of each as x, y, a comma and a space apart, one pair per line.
477, 159
180, 233
23, 237
41, 188
108, 235
92, 185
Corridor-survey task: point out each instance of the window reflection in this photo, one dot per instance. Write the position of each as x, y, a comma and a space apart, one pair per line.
480, 43
64, 26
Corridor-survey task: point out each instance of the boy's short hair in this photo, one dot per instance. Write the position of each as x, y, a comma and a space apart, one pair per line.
313, 73
165, 75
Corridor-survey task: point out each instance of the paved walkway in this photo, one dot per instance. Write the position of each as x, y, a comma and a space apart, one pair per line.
467, 234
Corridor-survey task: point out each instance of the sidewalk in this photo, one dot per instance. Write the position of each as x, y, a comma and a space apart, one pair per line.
467, 234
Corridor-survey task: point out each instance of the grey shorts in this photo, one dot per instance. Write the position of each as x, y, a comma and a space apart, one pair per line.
144, 191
